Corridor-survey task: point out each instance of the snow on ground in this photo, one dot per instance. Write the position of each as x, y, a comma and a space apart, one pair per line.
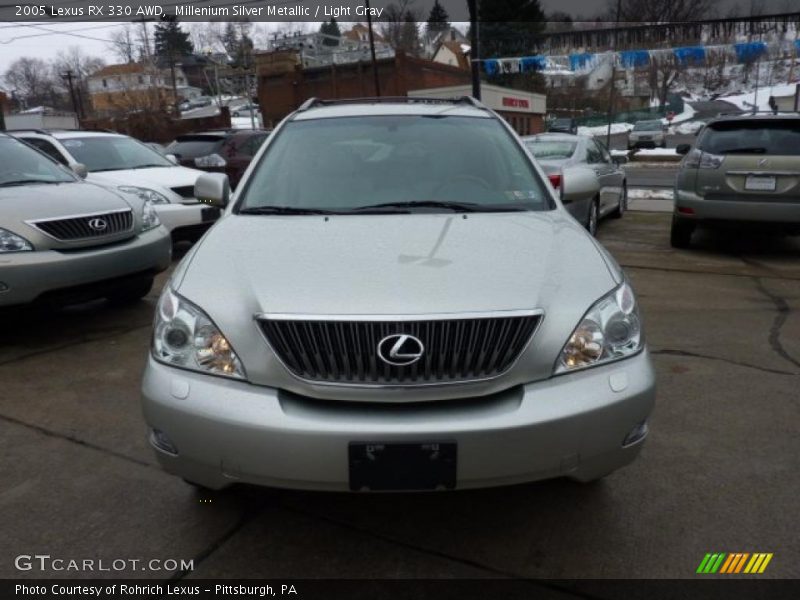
603, 129
688, 128
748, 101
650, 152
244, 122
649, 194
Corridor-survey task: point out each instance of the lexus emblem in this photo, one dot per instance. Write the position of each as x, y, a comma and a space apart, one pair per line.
98, 224
400, 349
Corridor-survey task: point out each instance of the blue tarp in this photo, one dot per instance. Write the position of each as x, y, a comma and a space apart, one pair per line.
690, 55
634, 58
491, 66
532, 63
749, 51
797, 45
578, 62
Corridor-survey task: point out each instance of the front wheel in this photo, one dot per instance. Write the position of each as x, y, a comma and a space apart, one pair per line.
622, 206
594, 215
681, 233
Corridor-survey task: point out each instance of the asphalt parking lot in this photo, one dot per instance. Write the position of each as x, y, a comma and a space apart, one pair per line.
719, 472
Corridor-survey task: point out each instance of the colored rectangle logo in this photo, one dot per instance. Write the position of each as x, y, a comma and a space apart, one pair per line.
734, 563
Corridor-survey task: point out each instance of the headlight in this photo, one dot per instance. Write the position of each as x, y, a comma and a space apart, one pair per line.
11, 242
212, 160
186, 337
150, 218
611, 330
145, 194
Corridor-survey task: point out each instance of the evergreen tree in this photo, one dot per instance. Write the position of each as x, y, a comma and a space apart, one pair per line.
170, 40
409, 35
437, 20
229, 39
510, 27
330, 28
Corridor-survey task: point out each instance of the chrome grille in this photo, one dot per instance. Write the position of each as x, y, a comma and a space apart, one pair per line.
80, 227
455, 350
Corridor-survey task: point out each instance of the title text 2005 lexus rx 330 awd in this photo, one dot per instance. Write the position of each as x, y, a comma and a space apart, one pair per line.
396, 299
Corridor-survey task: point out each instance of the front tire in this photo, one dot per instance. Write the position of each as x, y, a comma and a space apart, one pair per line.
623, 203
681, 233
593, 218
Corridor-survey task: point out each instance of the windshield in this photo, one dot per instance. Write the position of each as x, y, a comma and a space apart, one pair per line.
20, 165
551, 149
648, 126
351, 163
778, 137
112, 153
562, 122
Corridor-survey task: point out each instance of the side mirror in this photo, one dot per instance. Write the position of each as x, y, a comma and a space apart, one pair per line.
213, 188
683, 148
172, 158
578, 183
80, 170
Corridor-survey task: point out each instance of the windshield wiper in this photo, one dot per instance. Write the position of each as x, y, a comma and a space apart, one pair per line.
284, 210
152, 166
28, 181
454, 206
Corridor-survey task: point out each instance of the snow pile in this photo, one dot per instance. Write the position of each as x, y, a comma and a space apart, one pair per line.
650, 152
603, 129
689, 128
749, 100
244, 122
649, 194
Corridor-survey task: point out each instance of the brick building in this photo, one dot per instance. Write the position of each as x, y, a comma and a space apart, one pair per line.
283, 85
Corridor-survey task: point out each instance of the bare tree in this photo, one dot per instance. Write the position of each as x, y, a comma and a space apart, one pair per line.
32, 81
659, 11
399, 26
123, 44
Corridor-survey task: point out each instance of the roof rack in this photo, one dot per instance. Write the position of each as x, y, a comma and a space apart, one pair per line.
27, 130
314, 102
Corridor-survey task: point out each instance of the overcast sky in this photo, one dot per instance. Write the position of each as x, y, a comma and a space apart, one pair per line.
15, 41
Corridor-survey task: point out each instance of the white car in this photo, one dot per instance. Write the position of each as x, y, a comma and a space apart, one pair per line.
124, 164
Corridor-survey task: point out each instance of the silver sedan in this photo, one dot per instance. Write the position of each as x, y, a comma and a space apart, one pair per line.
556, 151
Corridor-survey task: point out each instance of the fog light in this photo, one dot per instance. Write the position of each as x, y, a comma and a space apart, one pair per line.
160, 440
636, 434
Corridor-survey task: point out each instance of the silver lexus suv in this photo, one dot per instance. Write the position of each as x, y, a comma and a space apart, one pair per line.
64, 240
396, 299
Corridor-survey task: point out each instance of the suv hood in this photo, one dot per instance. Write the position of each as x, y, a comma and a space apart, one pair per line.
384, 265
162, 178
50, 201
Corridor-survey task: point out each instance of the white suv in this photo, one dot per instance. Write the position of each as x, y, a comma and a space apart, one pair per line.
122, 163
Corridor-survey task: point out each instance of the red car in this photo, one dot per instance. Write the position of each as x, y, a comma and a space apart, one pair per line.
227, 151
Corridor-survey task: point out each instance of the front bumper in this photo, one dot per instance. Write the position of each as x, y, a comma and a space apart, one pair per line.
27, 275
228, 431
754, 211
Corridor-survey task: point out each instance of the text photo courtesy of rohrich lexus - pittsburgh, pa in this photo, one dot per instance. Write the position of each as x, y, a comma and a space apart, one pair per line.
493, 299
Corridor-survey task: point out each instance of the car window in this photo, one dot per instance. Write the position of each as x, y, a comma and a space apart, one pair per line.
253, 145
601, 148
593, 154
779, 137
648, 126
20, 164
350, 162
47, 148
551, 149
112, 153
193, 146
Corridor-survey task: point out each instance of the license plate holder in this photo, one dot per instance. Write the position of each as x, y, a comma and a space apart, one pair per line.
388, 466
760, 183
210, 213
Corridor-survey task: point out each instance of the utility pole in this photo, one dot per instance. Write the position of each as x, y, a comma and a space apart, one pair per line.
613, 76
372, 51
3, 99
69, 76
474, 56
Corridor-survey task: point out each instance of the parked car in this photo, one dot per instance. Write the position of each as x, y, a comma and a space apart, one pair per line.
243, 110
742, 170
64, 240
200, 101
555, 151
648, 134
123, 163
563, 125
396, 300
227, 151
